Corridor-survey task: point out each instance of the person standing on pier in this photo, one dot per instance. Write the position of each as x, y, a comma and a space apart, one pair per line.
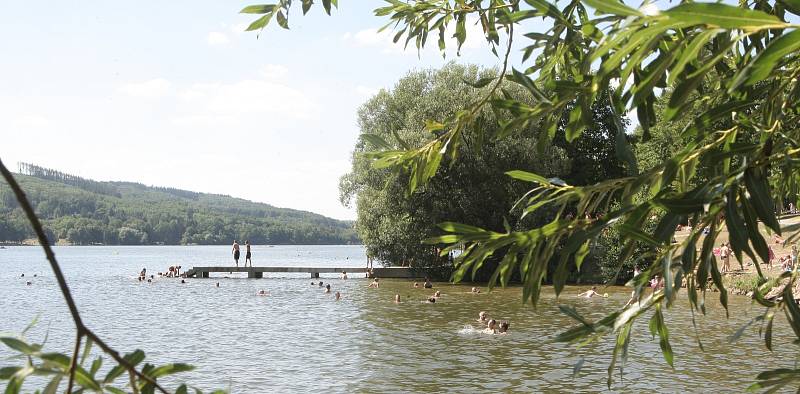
247, 254
236, 253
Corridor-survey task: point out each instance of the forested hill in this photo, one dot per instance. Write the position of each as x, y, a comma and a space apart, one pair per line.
83, 211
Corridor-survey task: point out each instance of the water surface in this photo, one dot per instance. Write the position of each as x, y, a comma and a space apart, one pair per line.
300, 339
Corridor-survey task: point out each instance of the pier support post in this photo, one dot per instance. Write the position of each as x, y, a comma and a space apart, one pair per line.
314, 275
255, 275
203, 274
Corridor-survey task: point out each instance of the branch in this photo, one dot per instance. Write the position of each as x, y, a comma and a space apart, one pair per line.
81, 329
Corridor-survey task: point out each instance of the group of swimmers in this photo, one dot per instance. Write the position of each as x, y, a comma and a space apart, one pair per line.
327, 288
491, 324
174, 271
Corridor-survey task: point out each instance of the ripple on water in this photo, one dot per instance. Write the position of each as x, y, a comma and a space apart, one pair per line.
300, 339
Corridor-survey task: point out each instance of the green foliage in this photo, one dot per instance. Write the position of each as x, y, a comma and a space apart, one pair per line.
736, 65
119, 213
58, 367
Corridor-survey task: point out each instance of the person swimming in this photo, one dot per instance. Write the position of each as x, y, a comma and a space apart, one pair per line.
428, 284
338, 296
397, 298
183, 281
327, 288
431, 300
28, 283
416, 285
374, 283
475, 290
482, 317
320, 283
590, 293
262, 293
344, 275
437, 294
503, 329
217, 284
490, 327
313, 283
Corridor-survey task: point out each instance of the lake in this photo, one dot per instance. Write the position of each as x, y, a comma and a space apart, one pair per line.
299, 339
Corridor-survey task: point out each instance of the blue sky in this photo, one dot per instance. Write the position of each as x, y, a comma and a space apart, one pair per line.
176, 94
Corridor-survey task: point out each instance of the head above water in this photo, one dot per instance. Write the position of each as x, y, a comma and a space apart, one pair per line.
432, 299
503, 326
491, 323
328, 286
320, 283
397, 298
482, 315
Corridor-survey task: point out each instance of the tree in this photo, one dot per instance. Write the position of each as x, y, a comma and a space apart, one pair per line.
391, 222
743, 63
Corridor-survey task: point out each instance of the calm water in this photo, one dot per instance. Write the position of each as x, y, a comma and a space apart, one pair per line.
299, 339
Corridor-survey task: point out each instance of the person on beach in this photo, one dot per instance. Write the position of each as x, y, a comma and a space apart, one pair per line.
590, 293
490, 327
397, 298
374, 283
428, 284
247, 254
236, 253
344, 275
725, 255
327, 288
482, 317
771, 254
503, 329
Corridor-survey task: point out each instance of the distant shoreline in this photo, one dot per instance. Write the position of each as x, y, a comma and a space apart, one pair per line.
62, 243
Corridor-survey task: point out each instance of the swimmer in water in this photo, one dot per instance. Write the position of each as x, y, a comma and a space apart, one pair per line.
262, 293
431, 300
428, 284
313, 283
344, 275
503, 329
374, 283
590, 293
416, 285
490, 327
397, 298
183, 281
437, 294
327, 288
28, 283
475, 290
320, 283
482, 317
338, 296
217, 284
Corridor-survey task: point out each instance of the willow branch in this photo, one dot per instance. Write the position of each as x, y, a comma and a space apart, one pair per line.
74, 362
62, 284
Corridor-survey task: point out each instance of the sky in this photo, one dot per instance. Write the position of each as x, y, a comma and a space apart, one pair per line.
176, 94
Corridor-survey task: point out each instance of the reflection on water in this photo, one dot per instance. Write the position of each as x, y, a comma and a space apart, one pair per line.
300, 339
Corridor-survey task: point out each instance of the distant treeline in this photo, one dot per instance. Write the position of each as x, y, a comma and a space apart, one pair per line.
84, 211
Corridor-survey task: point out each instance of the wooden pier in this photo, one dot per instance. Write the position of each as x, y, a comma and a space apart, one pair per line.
258, 272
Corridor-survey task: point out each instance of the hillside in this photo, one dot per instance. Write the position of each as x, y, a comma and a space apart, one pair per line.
83, 211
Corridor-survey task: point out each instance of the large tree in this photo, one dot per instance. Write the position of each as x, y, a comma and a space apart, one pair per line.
392, 223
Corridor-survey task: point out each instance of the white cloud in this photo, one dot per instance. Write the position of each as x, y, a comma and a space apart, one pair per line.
153, 88
385, 39
274, 72
239, 28
216, 38
365, 91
